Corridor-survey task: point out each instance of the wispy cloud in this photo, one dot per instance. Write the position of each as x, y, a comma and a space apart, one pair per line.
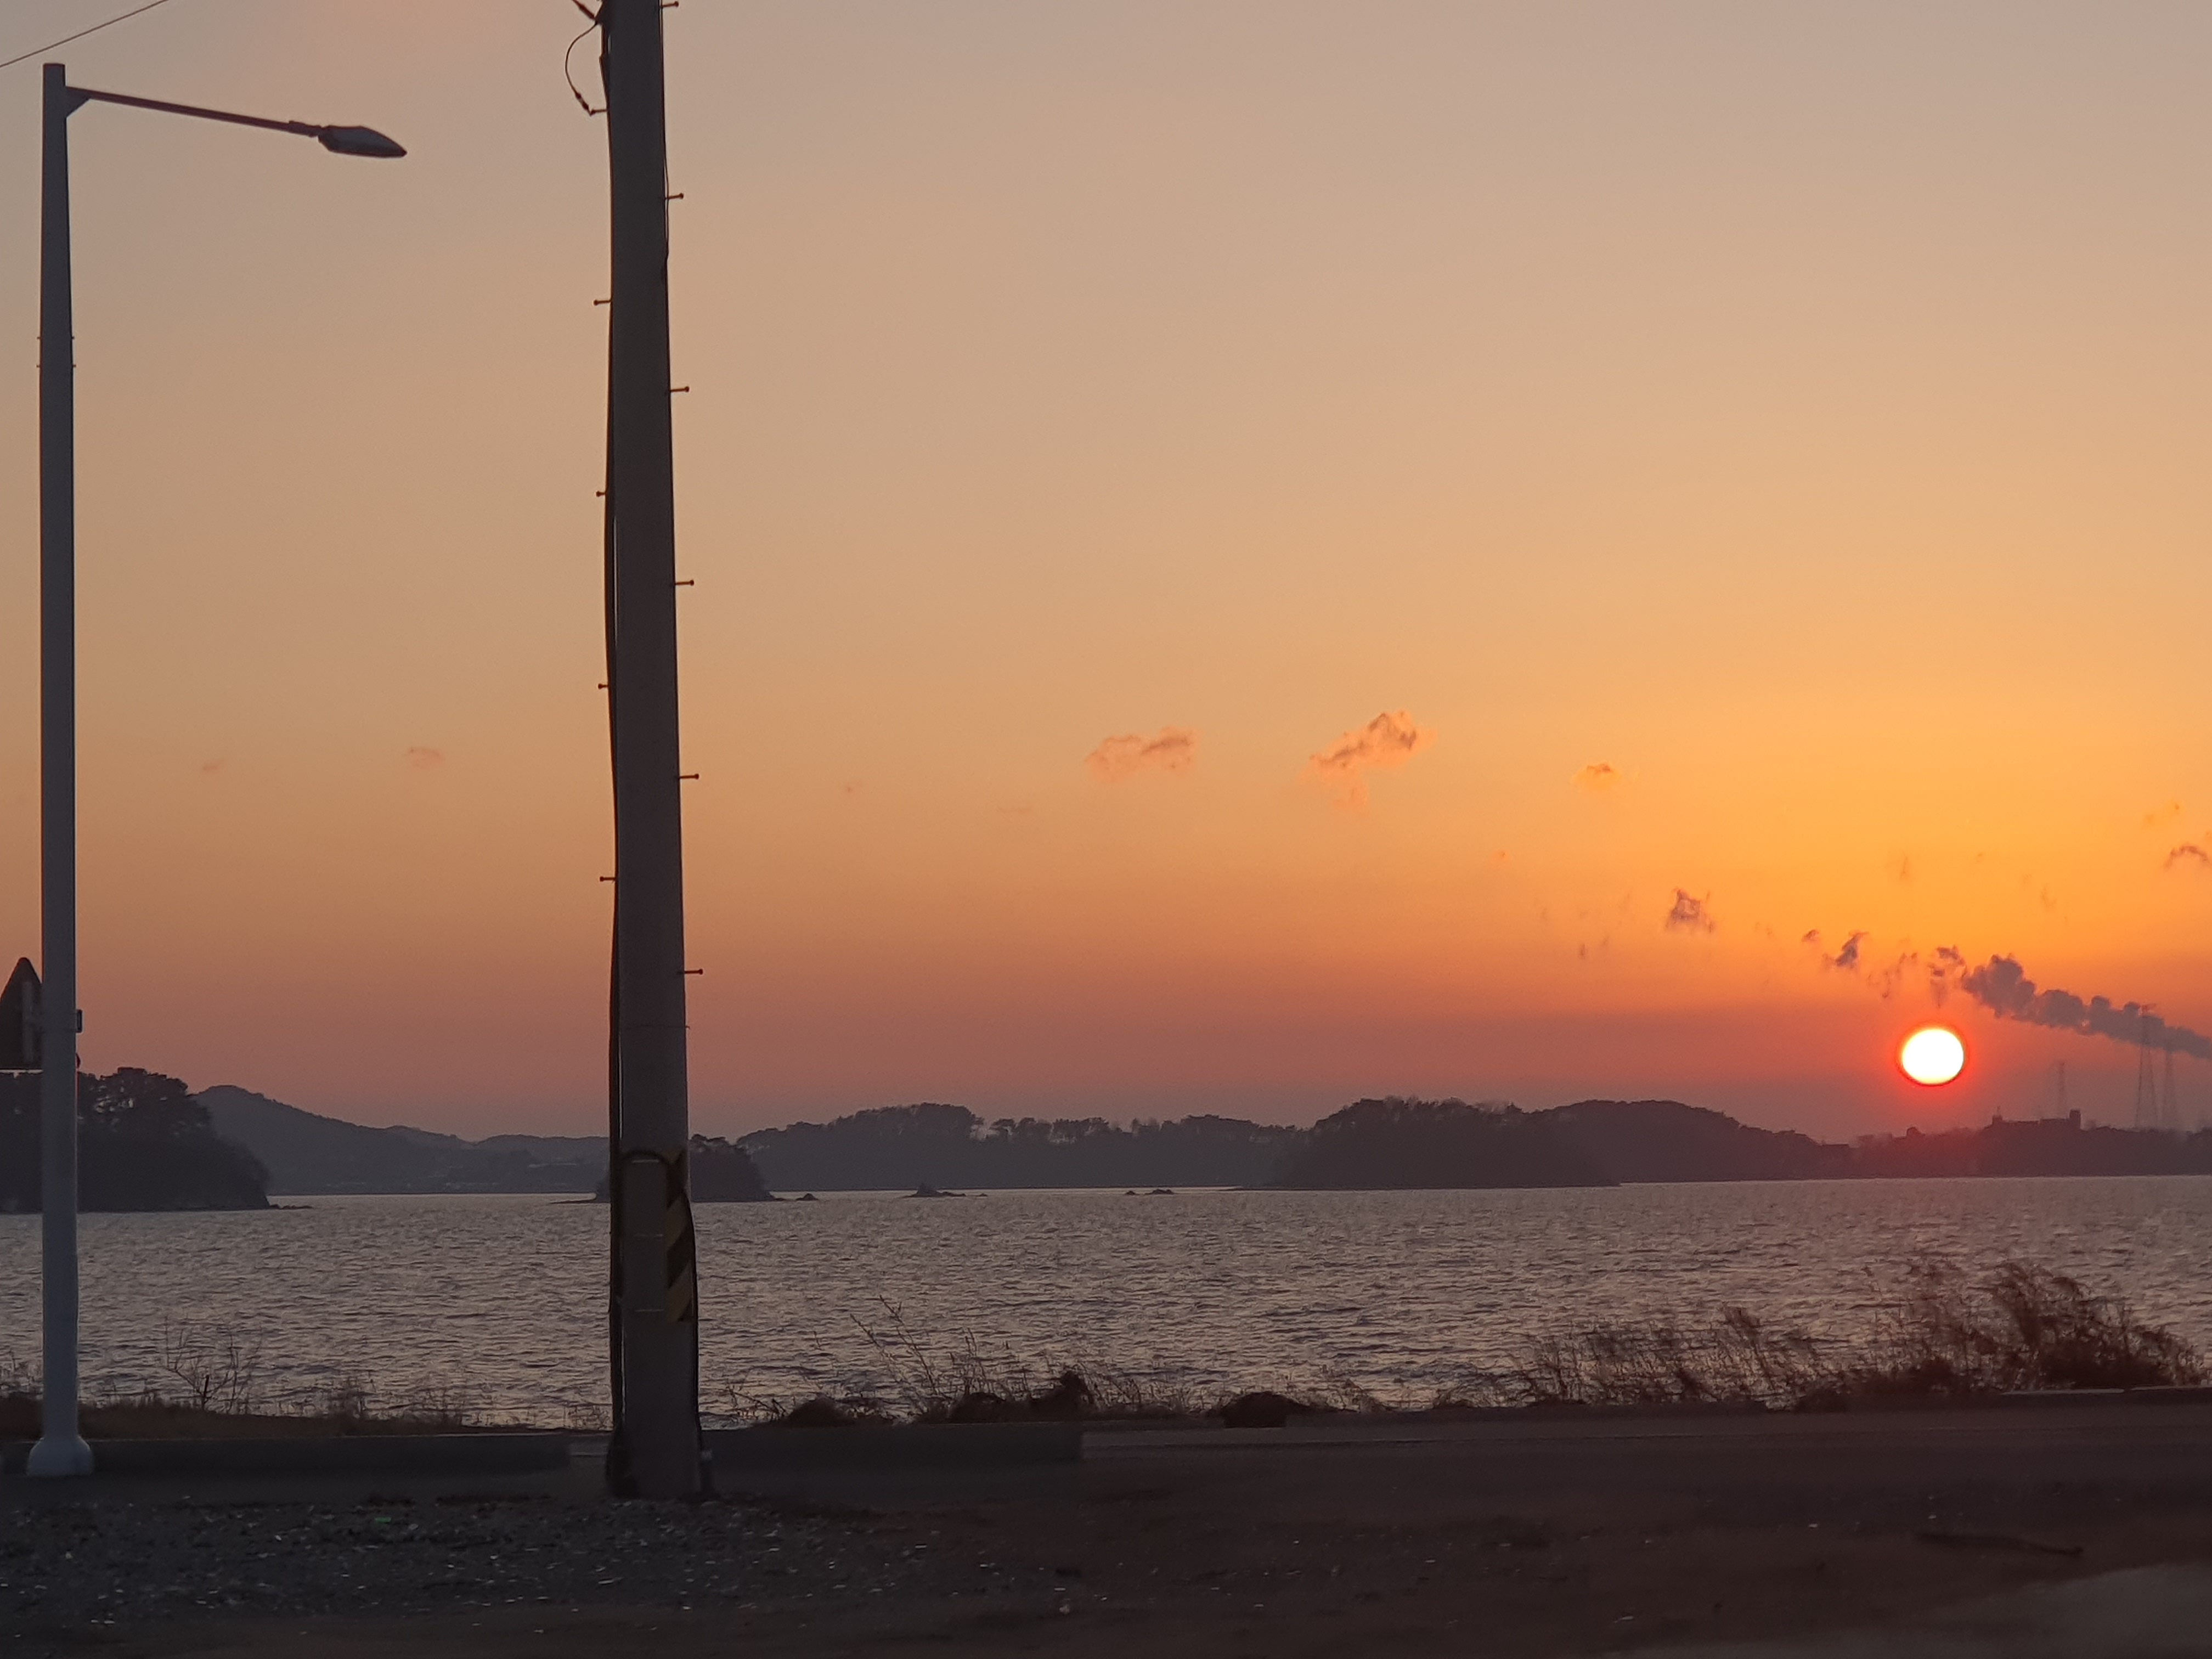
2189, 852
1947, 970
211, 768
1599, 776
1887, 978
1884, 978
1689, 913
1389, 739
2001, 985
2159, 815
422, 758
1171, 749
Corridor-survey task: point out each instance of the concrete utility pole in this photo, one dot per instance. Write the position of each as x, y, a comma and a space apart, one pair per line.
654, 1317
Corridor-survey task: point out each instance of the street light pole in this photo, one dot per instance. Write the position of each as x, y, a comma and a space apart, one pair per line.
654, 1288
61, 1448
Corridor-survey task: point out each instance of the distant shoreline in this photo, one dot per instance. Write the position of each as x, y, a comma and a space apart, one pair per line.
281, 1203
250, 1148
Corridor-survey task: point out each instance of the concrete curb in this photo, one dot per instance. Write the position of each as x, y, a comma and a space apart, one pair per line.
2177, 1394
366, 1453
1688, 1409
965, 1445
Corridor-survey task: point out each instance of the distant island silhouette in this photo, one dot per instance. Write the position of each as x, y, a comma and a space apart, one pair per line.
1439, 1143
720, 1174
1386, 1143
148, 1143
307, 1152
1400, 1143
905, 1148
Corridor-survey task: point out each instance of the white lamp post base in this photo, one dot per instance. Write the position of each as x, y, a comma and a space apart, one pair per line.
53, 1459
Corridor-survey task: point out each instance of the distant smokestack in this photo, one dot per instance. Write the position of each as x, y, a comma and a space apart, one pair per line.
2003, 987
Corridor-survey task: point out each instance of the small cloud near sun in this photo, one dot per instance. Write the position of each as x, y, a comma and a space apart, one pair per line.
1171, 749
2189, 852
1947, 965
1847, 958
1599, 776
2159, 815
1689, 913
1391, 738
212, 767
422, 758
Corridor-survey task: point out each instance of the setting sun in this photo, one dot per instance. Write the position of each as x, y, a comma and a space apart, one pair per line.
1932, 1055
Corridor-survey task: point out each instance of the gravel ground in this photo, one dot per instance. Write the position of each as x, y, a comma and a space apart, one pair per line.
75, 1570
1525, 1539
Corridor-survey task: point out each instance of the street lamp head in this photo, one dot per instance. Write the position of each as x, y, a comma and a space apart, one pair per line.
357, 141
63, 99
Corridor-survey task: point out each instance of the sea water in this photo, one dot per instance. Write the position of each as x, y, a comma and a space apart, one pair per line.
498, 1302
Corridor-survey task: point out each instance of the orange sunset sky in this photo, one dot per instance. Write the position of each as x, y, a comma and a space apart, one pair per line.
1247, 554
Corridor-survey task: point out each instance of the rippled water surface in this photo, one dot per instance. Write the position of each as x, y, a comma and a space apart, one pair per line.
502, 1297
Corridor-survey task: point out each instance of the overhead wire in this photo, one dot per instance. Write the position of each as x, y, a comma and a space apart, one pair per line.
568, 75
120, 18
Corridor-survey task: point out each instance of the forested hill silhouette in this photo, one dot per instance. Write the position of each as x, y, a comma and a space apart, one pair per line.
2039, 1147
1440, 1143
1396, 1142
1638, 1140
307, 1152
1392, 1142
934, 1145
1417, 1143
143, 1143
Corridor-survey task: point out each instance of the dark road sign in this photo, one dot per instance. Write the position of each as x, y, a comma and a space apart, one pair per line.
19, 1020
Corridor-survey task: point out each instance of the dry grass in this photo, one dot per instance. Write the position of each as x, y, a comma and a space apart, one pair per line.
2017, 1327
921, 1382
1946, 1335
214, 1389
1735, 1360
